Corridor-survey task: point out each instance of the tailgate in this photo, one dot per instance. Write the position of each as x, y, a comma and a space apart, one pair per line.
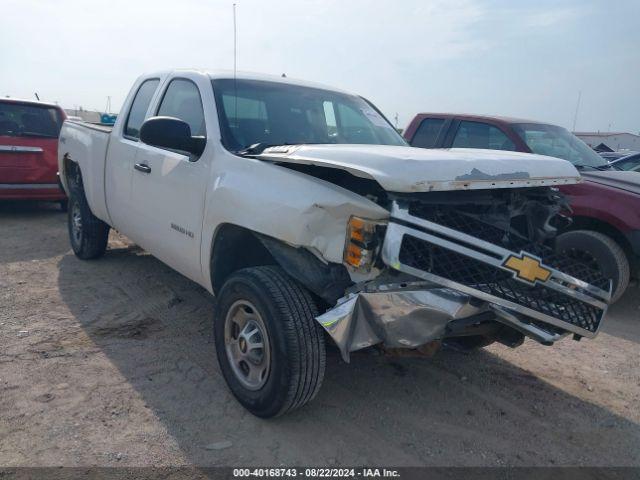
28, 160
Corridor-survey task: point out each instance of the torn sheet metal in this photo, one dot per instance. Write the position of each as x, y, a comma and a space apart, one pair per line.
399, 318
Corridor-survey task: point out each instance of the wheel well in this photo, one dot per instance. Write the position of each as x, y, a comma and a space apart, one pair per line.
72, 172
234, 248
587, 223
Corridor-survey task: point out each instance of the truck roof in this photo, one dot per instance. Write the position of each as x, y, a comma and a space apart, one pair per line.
473, 116
242, 75
24, 101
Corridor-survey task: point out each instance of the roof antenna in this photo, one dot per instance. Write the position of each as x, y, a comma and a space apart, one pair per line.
235, 42
37, 97
575, 116
235, 65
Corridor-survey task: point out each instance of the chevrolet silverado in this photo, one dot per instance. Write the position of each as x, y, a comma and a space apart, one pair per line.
308, 216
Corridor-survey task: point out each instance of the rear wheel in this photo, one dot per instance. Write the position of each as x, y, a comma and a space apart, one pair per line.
87, 233
270, 347
599, 252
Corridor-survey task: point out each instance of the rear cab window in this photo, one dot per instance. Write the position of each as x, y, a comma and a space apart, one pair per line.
28, 120
427, 133
139, 108
481, 135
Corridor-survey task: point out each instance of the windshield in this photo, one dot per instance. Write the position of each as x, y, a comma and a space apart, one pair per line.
272, 113
558, 142
23, 120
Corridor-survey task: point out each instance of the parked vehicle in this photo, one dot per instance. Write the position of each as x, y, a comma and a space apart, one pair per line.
302, 209
613, 156
605, 231
629, 163
28, 150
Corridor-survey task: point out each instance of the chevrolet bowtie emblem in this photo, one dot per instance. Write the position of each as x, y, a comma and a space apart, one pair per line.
527, 268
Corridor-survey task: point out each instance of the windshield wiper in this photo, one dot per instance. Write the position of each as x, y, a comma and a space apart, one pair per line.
608, 166
257, 148
602, 168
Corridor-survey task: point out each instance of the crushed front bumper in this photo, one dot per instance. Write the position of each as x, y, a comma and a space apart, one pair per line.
397, 315
462, 276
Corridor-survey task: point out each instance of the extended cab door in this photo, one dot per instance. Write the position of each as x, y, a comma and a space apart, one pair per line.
121, 153
169, 187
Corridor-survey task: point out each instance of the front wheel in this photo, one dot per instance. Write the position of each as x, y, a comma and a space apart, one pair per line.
87, 233
270, 347
601, 253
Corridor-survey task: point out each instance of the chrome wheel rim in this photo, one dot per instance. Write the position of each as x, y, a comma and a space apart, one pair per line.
76, 223
247, 345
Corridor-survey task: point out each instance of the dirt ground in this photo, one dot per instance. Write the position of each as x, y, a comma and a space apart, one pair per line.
111, 362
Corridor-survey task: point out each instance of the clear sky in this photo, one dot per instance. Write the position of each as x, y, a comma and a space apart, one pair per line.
520, 58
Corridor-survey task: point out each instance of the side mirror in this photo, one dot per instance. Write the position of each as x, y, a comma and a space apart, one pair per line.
171, 133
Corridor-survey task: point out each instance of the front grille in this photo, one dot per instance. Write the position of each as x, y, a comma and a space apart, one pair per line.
505, 236
454, 266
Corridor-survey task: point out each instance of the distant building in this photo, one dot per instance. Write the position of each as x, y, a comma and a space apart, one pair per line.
85, 115
91, 116
614, 140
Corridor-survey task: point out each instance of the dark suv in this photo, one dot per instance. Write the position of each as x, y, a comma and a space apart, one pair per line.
605, 231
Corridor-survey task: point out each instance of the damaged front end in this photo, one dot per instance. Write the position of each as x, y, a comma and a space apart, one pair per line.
470, 267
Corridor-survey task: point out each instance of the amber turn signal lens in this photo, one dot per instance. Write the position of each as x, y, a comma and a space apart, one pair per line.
361, 243
354, 255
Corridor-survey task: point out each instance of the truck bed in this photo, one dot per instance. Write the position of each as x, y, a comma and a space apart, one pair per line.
86, 144
93, 126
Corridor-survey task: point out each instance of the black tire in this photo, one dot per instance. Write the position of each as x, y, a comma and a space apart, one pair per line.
602, 252
295, 339
89, 241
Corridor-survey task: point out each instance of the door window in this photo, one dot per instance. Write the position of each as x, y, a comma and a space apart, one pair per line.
139, 107
182, 100
481, 135
427, 133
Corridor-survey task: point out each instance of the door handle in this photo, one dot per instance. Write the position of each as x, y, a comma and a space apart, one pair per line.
141, 167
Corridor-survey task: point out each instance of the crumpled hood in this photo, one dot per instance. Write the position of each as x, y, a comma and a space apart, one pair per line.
629, 181
409, 169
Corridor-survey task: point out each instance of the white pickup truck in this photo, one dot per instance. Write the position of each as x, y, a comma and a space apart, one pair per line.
306, 214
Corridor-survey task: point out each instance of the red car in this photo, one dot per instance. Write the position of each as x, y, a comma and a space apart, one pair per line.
605, 231
29, 150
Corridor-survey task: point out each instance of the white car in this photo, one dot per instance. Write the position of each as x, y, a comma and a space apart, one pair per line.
301, 208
